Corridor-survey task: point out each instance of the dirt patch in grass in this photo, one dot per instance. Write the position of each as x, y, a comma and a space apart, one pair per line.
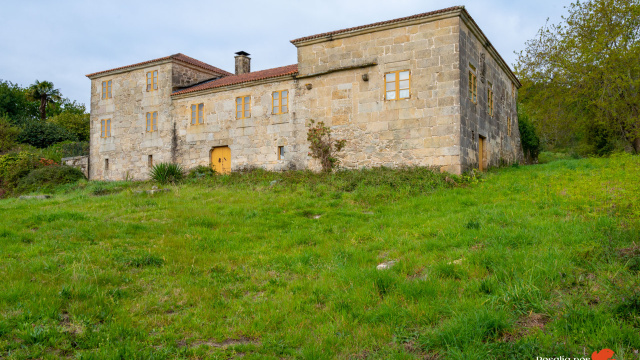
629, 252
527, 325
223, 344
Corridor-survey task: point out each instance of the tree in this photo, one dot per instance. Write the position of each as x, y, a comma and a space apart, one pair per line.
14, 103
45, 93
74, 122
583, 75
322, 147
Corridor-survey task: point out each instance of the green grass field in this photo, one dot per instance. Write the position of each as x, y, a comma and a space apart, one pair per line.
528, 261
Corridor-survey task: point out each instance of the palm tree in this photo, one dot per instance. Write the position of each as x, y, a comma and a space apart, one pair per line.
45, 93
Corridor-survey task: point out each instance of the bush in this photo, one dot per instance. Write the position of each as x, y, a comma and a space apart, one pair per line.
43, 134
77, 124
528, 137
201, 172
322, 147
48, 177
167, 173
8, 135
15, 166
66, 149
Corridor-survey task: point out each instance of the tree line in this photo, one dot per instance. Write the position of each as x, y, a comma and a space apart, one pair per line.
581, 79
38, 115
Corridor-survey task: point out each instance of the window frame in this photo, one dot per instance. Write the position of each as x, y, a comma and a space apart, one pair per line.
106, 89
279, 100
197, 114
490, 99
508, 125
397, 81
105, 128
151, 121
281, 152
473, 84
243, 103
152, 80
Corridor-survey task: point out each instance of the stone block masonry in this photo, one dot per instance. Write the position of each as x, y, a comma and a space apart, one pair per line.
339, 79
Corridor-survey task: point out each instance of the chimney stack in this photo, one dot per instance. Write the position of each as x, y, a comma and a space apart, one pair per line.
243, 63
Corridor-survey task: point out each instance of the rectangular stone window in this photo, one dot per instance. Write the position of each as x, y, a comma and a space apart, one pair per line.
397, 85
152, 80
150, 160
473, 85
513, 90
106, 89
280, 100
105, 128
280, 152
152, 121
197, 114
508, 126
243, 107
490, 99
106, 164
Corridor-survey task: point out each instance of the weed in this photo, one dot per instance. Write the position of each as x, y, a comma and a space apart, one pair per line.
167, 173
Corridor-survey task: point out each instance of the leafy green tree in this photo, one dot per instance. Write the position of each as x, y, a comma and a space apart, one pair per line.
528, 137
43, 134
583, 75
14, 103
8, 134
78, 124
45, 93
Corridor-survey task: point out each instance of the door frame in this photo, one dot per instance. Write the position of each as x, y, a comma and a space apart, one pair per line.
482, 149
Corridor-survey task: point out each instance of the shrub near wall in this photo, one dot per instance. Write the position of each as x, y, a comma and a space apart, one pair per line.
14, 166
48, 177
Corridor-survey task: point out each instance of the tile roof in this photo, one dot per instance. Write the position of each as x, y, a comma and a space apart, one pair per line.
179, 57
417, 16
243, 78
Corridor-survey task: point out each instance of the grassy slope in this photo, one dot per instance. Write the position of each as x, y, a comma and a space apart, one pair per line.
215, 271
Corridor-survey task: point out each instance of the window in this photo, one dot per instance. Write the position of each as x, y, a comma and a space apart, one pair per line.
280, 152
243, 107
513, 90
152, 121
397, 85
490, 100
105, 128
152, 80
197, 114
106, 164
106, 89
280, 102
150, 160
508, 126
473, 85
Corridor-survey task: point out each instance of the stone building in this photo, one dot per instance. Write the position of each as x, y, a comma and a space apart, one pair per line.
427, 89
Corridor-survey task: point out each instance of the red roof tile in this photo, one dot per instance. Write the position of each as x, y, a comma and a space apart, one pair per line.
179, 57
417, 16
243, 78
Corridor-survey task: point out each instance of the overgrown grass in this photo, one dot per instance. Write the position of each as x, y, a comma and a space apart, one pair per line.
528, 261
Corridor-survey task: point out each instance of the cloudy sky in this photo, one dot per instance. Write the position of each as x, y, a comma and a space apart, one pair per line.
61, 41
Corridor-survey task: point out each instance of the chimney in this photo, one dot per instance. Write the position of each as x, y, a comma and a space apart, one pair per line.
243, 63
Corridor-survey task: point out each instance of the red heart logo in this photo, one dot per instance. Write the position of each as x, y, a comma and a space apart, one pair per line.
604, 354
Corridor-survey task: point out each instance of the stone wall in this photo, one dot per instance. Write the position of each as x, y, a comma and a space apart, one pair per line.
128, 147
253, 141
422, 130
184, 75
80, 162
475, 120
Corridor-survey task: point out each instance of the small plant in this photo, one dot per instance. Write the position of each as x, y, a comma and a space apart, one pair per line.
167, 173
322, 147
145, 261
201, 171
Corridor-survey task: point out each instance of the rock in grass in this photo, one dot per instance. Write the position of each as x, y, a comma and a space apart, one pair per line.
37, 197
152, 191
273, 183
386, 265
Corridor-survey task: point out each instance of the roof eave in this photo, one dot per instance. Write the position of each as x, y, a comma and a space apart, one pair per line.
100, 74
233, 86
401, 23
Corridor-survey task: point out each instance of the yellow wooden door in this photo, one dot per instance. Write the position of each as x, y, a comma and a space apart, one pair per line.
221, 159
481, 149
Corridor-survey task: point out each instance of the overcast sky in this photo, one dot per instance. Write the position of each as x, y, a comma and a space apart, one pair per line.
62, 41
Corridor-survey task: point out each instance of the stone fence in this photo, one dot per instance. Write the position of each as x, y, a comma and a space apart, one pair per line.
80, 162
